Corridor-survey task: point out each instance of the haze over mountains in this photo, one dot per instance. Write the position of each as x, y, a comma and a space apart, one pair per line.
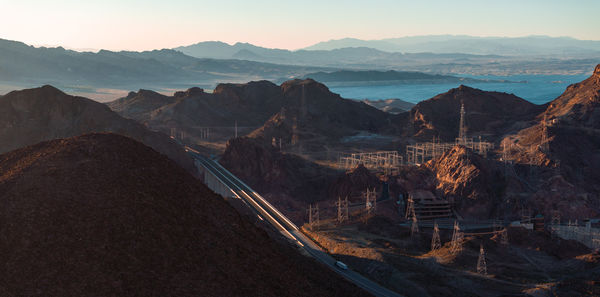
206, 64
508, 46
435, 54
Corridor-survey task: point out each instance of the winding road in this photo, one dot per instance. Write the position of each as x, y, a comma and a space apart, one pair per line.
269, 213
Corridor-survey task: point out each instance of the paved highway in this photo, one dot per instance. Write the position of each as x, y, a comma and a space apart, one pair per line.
269, 213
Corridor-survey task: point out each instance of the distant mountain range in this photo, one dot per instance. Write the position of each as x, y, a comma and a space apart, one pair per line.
508, 46
27, 65
206, 64
433, 54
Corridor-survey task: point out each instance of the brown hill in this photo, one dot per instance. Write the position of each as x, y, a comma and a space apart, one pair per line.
249, 104
104, 215
313, 113
578, 105
33, 115
304, 108
137, 105
487, 114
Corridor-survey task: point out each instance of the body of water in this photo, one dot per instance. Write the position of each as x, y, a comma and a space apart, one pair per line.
538, 89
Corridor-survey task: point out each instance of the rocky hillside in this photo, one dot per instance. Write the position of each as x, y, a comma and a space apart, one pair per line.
302, 109
104, 215
393, 106
490, 114
571, 126
313, 112
288, 181
472, 182
248, 104
33, 115
353, 184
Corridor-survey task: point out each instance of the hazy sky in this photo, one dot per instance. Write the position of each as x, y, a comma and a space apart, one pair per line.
150, 24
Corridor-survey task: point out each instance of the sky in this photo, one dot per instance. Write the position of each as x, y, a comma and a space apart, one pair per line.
151, 24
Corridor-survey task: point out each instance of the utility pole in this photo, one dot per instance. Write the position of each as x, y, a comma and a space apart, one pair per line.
481, 265
435, 240
236, 135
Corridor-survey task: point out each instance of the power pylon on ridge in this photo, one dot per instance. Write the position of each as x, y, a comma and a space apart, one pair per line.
481, 265
457, 239
544, 147
462, 130
435, 240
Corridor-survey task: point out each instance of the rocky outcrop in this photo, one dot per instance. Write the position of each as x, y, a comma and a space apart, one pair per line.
468, 180
33, 115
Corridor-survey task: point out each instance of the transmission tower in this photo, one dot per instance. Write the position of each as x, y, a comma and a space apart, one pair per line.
457, 238
435, 240
414, 228
544, 139
304, 110
481, 265
342, 213
370, 201
555, 222
295, 137
462, 130
313, 216
504, 237
410, 208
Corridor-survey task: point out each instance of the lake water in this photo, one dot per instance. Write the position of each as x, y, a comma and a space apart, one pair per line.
537, 89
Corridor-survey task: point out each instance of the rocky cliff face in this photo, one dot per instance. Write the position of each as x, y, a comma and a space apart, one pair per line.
571, 128
473, 183
34, 115
102, 214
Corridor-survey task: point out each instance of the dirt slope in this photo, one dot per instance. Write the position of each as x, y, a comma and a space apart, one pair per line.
104, 215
